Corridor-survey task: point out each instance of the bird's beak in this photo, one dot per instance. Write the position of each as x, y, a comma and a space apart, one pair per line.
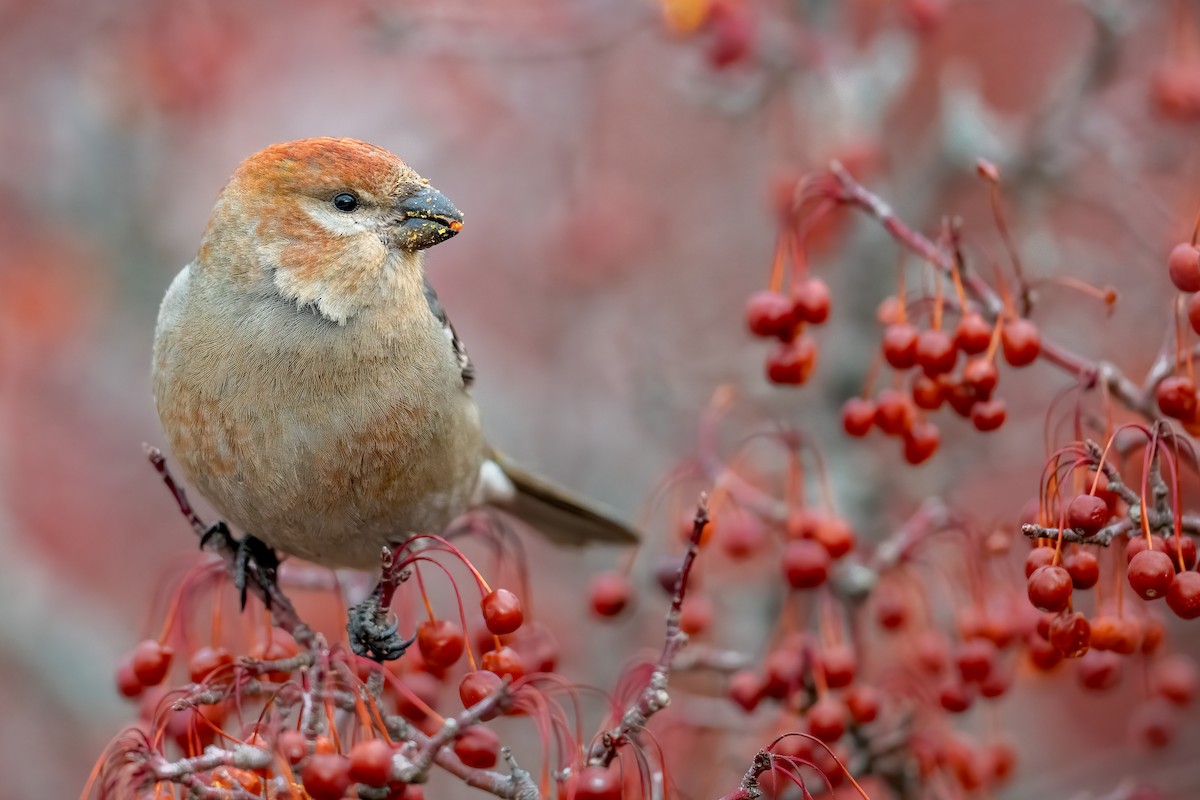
427, 218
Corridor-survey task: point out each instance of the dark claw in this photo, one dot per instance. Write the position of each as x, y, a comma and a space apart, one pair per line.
369, 637
252, 559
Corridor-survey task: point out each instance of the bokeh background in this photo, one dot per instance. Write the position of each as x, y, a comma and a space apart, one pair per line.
615, 161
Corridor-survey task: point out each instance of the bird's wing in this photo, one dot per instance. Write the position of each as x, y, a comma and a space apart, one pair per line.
460, 349
558, 514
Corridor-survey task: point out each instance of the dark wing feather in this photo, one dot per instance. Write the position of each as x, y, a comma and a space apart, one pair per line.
460, 349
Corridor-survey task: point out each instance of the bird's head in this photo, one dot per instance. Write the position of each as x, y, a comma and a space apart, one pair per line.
326, 223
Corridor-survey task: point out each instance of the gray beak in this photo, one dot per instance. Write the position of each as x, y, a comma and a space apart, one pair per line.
427, 219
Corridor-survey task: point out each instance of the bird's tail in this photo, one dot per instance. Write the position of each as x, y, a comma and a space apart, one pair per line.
558, 514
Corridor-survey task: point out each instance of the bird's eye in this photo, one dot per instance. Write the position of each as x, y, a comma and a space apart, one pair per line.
345, 202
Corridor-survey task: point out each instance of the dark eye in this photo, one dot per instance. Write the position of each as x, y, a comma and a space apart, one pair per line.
345, 202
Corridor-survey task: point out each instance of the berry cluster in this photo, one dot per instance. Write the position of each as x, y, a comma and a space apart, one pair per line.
775, 315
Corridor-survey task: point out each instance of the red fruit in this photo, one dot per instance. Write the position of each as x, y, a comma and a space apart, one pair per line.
1083, 567
1183, 595
477, 685
812, 301
477, 746
151, 660
696, 615
1193, 312
742, 536
1021, 342
980, 376
1175, 678
976, 659
666, 572
891, 610
988, 415
127, 680
771, 314
1105, 632
610, 592
441, 642
1183, 265
863, 703
1099, 670
955, 696
858, 415
835, 535
1137, 544
326, 776
371, 762
805, 564
746, 689
900, 345
420, 686
1087, 513
1038, 557
1176, 397
501, 611
279, 647
972, 334
1154, 723
597, 783
790, 363
927, 392
1001, 760
1150, 574
827, 719
839, 665
996, 684
1043, 655
1153, 634
1049, 588
292, 746
208, 660
732, 37
932, 652
1186, 547
960, 396
893, 412
503, 662
1071, 634
936, 352
921, 442
783, 669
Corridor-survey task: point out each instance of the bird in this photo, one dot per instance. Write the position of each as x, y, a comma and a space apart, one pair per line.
310, 383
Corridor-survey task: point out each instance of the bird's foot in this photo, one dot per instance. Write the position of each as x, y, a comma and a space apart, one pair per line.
253, 560
371, 635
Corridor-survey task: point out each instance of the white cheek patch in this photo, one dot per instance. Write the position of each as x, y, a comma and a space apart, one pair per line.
494, 487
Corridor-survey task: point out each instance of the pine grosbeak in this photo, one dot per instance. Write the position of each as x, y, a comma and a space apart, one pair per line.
309, 381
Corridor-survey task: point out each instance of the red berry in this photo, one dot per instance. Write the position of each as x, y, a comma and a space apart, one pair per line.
208, 660
1071, 635
894, 412
1193, 311
783, 669
1083, 567
1176, 397
477, 685
975, 659
746, 689
1154, 723
127, 680
371, 762
812, 301
1185, 547
955, 696
960, 396
1183, 265
441, 642
1038, 557
420, 691
989, 415
501, 611
1137, 544
326, 776
1087, 513
858, 415
1049, 588
980, 376
827, 719
996, 684
1153, 634
742, 536
862, 702
1043, 655
805, 564
791, 363
835, 535
504, 662
927, 392
921, 442
1099, 670
732, 38
932, 652
1021, 342
891, 610
477, 746
1175, 678
839, 665
936, 352
292, 746
1183, 595
151, 660
771, 314
1150, 574
696, 615
900, 345
973, 334
597, 783
610, 593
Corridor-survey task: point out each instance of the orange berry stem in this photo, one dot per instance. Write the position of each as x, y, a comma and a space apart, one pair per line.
779, 262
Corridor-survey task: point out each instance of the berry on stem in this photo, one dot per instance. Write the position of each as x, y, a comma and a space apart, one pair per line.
812, 301
151, 660
1021, 342
441, 642
791, 363
771, 314
371, 762
972, 335
326, 776
1087, 513
610, 593
1049, 588
1183, 595
858, 415
501, 611
1151, 574
1183, 265
805, 564
478, 747
900, 345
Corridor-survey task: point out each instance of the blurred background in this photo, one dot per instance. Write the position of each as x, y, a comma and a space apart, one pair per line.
616, 163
